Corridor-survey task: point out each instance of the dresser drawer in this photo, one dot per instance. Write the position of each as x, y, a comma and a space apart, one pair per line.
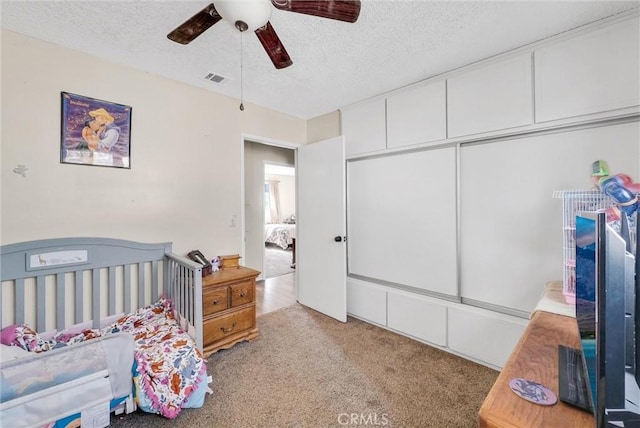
228, 325
215, 300
241, 293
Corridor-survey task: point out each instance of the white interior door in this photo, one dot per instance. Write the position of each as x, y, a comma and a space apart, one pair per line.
321, 224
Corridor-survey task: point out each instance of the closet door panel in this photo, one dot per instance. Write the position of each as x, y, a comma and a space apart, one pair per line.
417, 115
592, 73
367, 301
401, 219
419, 317
364, 127
490, 98
483, 335
510, 226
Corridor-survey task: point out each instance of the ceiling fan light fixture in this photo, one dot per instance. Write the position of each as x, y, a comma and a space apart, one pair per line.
244, 15
254, 15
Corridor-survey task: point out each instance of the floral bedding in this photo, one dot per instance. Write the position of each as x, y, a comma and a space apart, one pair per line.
279, 234
168, 367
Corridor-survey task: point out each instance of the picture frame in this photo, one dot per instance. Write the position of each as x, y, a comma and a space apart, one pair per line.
95, 132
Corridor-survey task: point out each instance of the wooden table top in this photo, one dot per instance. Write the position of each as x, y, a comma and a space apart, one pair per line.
535, 357
229, 275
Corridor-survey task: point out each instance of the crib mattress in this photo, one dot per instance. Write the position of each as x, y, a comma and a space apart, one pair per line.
48, 386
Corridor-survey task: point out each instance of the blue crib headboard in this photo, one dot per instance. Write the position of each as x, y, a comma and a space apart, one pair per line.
83, 262
55, 283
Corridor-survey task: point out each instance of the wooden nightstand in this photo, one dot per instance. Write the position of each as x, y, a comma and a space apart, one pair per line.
228, 308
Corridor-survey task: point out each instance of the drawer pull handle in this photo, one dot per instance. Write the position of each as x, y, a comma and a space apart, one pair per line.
229, 330
243, 293
215, 302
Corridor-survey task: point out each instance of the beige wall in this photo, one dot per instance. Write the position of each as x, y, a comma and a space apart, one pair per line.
323, 127
255, 156
184, 184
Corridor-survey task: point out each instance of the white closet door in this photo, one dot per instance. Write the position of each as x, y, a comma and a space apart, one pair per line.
491, 97
364, 127
417, 115
511, 227
401, 219
592, 73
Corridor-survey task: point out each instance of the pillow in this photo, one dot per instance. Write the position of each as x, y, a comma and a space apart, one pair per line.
8, 335
27, 338
8, 353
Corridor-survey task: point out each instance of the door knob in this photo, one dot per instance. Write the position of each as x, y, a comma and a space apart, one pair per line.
339, 238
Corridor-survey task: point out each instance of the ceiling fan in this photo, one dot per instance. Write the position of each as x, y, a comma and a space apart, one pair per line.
253, 15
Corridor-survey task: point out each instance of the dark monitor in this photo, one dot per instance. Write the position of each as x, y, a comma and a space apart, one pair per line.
590, 302
606, 301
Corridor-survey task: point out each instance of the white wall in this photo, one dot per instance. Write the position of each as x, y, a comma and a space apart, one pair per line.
184, 184
287, 191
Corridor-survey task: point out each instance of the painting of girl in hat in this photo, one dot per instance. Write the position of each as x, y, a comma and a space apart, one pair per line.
95, 132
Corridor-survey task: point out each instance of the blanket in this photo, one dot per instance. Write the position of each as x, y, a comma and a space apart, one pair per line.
280, 234
168, 365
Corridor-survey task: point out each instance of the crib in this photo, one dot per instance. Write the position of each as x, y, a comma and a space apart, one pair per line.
102, 289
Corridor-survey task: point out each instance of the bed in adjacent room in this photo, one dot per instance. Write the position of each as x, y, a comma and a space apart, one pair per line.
280, 234
92, 326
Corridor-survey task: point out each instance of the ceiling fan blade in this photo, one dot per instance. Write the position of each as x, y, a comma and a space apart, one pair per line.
341, 10
195, 25
274, 47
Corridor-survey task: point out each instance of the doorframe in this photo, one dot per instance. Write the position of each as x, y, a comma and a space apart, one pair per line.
260, 140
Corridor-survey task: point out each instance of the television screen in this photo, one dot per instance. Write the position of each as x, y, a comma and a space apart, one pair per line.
587, 245
606, 306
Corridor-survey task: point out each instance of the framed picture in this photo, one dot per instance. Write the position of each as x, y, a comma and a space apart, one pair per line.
95, 132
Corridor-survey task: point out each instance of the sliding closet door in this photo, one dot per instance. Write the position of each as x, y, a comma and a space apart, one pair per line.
401, 220
511, 226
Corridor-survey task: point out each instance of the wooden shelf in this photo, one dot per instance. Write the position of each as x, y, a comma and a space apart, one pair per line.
535, 357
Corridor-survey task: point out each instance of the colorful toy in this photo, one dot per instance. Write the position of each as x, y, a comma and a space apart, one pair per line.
620, 187
599, 169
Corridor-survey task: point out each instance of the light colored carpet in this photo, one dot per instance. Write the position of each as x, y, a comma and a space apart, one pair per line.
308, 370
277, 261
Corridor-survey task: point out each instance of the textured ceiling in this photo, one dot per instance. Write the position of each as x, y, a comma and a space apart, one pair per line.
394, 43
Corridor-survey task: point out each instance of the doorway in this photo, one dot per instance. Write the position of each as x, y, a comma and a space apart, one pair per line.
256, 154
279, 291
279, 220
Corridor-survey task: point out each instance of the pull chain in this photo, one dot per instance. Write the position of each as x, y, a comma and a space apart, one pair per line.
241, 69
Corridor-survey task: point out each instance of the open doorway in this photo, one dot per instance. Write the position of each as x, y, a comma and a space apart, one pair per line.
256, 155
279, 220
279, 291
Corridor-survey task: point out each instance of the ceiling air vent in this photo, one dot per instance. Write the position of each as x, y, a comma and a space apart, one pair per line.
216, 78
